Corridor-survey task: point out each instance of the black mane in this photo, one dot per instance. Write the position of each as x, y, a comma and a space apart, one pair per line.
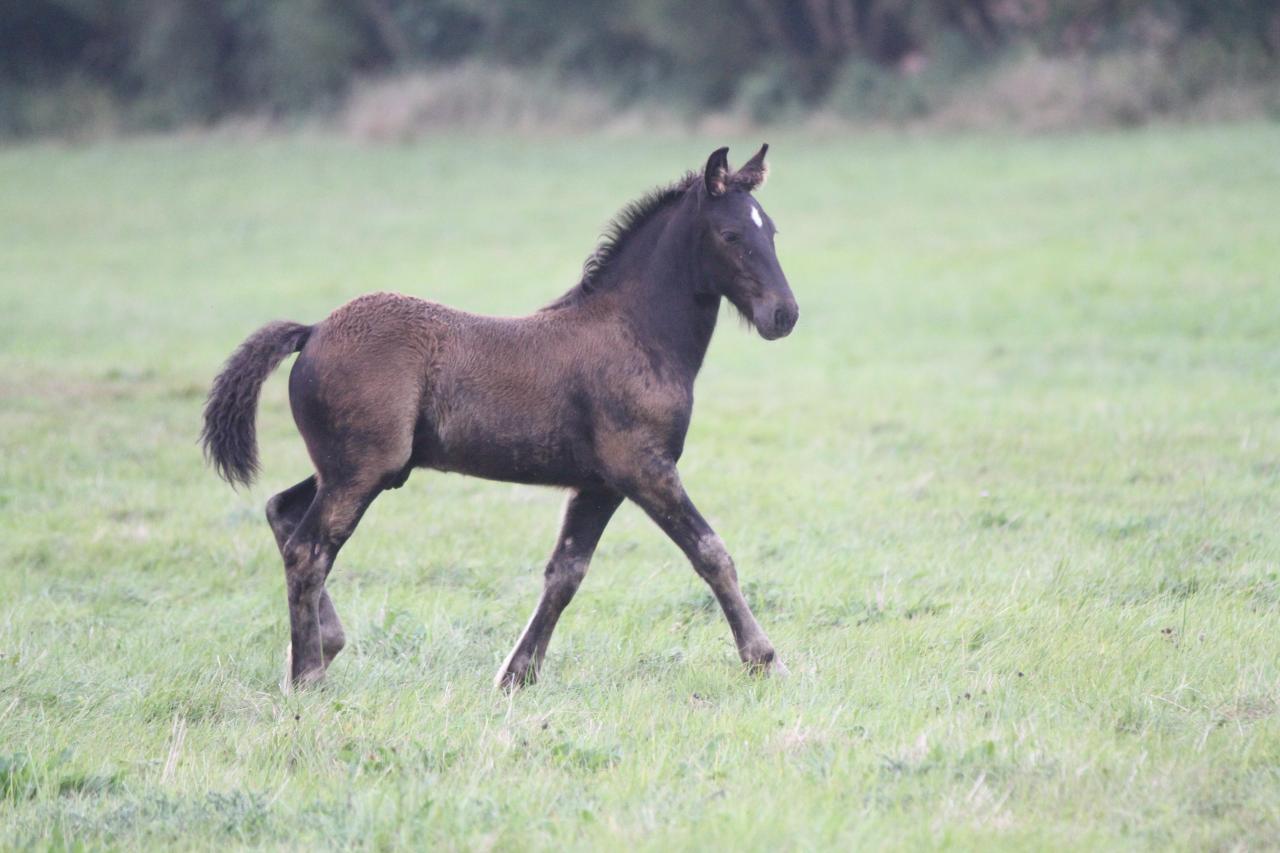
625, 223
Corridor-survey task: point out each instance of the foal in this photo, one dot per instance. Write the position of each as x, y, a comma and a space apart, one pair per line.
593, 393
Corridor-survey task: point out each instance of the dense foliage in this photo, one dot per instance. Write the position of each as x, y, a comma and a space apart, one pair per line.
175, 61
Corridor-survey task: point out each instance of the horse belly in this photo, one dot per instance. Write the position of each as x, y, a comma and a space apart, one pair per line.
515, 449
512, 459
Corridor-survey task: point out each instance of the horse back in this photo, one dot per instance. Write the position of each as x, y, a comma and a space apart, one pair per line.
546, 399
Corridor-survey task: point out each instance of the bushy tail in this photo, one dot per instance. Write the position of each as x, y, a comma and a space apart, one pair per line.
229, 436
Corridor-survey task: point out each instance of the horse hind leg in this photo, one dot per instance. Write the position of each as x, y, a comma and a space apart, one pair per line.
311, 523
284, 512
308, 557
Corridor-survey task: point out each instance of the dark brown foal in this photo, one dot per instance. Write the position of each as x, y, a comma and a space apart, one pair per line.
593, 393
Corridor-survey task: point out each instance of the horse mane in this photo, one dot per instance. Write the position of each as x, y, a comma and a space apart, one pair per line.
620, 229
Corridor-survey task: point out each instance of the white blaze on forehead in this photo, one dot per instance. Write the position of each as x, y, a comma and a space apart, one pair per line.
755, 216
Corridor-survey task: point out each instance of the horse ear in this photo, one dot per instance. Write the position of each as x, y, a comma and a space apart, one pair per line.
716, 175
754, 171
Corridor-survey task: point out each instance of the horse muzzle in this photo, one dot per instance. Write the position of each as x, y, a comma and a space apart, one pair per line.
777, 320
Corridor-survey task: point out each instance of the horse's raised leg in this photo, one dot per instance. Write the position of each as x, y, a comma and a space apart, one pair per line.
284, 511
585, 516
661, 495
309, 553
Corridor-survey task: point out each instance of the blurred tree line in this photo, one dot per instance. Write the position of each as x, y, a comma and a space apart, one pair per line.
167, 62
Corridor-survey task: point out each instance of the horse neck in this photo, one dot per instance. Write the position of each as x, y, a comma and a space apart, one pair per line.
658, 292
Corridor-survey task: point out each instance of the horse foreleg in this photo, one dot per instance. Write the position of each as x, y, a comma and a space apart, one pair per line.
660, 494
585, 516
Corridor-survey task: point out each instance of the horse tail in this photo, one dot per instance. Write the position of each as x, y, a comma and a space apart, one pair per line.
229, 436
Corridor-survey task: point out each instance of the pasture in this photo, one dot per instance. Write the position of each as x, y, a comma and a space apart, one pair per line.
1007, 502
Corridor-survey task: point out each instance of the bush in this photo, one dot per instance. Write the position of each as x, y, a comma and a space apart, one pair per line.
308, 52
78, 106
771, 95
864, 91
1038, 92
471, 96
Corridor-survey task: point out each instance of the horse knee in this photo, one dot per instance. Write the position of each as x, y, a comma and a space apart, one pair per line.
712, 559
566, 571
564, 575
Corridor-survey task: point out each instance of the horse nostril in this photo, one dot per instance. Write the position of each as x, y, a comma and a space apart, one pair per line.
783, 319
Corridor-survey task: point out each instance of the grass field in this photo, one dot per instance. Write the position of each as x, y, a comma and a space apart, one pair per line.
1008, 503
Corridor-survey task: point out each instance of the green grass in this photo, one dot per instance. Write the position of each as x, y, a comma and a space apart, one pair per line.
1008, 503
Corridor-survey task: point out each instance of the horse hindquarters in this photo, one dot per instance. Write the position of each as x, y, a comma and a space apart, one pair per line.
355, 408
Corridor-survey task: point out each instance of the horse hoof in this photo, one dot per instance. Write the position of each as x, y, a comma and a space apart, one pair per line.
509, 681
310, 678
517, 671
289, 683
513, 676
772, 667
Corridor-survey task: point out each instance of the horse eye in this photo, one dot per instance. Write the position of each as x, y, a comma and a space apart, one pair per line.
730, 236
